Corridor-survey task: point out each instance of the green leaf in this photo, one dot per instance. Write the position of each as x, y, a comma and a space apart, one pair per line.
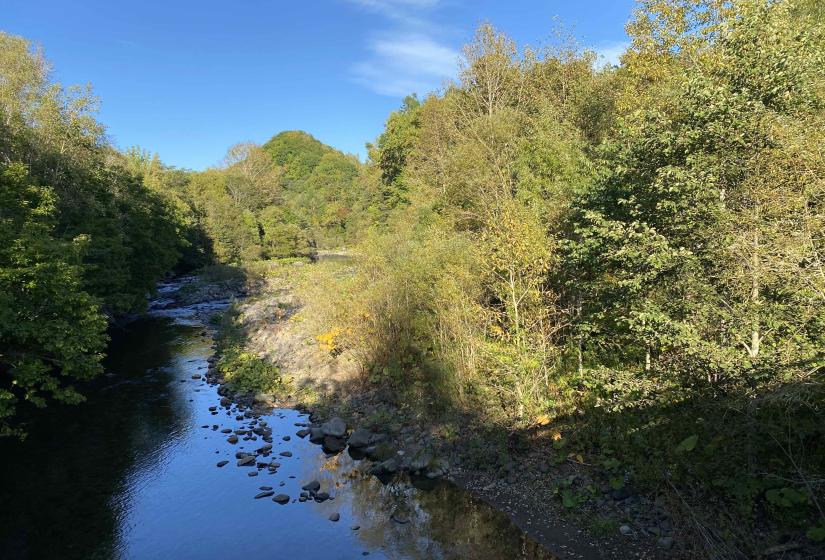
816, 534
687, 444
617, 482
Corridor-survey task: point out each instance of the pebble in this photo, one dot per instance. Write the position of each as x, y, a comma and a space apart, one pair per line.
285, 454
334, 516
281, 499
265, 494
222, 463
625, 530
665, 542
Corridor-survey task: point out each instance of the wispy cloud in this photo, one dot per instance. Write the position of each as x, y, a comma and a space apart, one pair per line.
408, 58
610, 53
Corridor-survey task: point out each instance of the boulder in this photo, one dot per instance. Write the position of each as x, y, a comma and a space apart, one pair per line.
389, 466
334, 444
421, 460
313, 486
316, 435
362, 437
335, 427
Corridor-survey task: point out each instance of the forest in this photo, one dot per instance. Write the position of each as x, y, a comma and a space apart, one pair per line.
632, 254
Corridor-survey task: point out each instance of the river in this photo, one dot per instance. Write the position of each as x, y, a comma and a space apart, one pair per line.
132, 474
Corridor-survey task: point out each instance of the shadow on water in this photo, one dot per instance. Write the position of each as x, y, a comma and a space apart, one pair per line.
57, 486
132, 473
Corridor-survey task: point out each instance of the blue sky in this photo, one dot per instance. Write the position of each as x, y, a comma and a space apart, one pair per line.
187, 78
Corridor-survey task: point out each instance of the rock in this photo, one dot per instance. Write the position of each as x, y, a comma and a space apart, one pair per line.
196, 376
336, 427
334, 444
302, 433
264, 494
253, 473
281, 499
379, 452
226, 431
233, 439
421, 460
665, 543
400, 518
222, 463
225, 401
334, 517
264, 448
313, 486
321, 497
285, 453
316, 435
389, 466
625, 530
263, 398
248, 461
286, 438
355, 527
361, 438
438, 468
265, 488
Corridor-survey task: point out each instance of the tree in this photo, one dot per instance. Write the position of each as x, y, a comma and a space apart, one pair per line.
51, 331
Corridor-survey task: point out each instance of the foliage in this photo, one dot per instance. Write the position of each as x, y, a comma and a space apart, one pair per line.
249, 373
83, 237
633, 253
51, 331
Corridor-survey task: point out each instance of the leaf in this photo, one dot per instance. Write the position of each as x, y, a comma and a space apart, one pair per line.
617, 482
816, 534
687, 444
568, 499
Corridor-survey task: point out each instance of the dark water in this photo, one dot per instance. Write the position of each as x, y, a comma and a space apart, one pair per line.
132, 474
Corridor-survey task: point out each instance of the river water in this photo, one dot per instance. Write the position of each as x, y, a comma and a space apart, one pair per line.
132, 474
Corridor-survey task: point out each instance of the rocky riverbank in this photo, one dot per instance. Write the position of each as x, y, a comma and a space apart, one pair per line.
348, 412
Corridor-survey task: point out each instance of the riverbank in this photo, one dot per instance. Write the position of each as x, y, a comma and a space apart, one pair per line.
567, 498
525, 477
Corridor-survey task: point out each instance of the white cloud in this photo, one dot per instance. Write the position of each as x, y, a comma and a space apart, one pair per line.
402, 64
408, 58
609, 53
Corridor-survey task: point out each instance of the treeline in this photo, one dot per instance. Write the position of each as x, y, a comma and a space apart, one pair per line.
82, 239
285, 198
86, 231
634, 255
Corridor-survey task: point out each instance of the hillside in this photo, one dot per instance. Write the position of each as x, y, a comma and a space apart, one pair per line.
286, 198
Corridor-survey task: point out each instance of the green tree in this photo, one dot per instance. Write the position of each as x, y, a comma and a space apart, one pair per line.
51, 331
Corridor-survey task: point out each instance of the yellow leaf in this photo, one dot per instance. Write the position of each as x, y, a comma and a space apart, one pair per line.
542, 419
557, 436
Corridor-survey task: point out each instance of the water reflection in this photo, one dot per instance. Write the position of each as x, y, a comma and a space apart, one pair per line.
132, 474
57, 486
